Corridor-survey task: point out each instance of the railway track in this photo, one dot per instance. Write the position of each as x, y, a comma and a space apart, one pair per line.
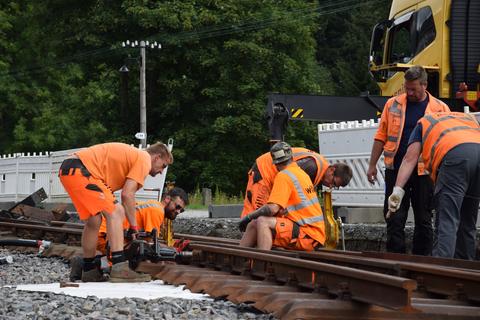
306, 285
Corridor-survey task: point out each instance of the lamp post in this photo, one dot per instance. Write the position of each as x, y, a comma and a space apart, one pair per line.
143, 44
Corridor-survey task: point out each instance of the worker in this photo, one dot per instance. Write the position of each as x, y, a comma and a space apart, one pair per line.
149, 215
263, 172
292, 217
399, 117
90, 176
449, 144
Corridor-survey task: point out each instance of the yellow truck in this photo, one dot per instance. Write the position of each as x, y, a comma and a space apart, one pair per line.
441, 35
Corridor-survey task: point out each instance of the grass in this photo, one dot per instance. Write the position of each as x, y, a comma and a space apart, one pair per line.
218, 197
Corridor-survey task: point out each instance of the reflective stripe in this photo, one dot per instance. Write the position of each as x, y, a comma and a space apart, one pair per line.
434, 121
311, 220
304, 201
394, 108
147, 205
313, 155
392, 139
444, 132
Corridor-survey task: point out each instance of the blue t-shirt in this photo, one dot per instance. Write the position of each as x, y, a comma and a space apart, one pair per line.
413, 113
416, 135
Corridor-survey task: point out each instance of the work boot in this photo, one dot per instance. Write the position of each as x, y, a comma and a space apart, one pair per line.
93, 275
121, 272
76, 267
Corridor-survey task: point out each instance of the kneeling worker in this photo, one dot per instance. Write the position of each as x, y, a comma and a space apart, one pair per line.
150, 215
292, 218
263, 172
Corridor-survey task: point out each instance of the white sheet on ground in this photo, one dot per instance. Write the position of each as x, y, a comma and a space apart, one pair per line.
145, 290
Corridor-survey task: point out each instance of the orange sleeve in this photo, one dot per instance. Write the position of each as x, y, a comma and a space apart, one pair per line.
140, 168
381, 134
281, 191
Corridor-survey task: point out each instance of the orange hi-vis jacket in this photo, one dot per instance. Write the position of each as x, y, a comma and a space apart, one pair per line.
293, 191
392, 122
149, 214
268, 170
257, 192
441, 132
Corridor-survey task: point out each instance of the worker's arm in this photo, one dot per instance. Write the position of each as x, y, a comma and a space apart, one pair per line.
128, 201
377, 150
408, 164
267, 210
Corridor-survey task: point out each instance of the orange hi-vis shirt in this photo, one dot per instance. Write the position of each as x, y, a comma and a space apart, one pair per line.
268, 170
293, 191
114, 162
441, 132
149, 215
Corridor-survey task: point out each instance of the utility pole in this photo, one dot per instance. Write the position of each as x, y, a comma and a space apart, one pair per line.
142, 135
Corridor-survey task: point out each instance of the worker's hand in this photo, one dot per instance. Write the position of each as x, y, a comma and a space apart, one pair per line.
244, 222
372, 174
395, 199
132, 233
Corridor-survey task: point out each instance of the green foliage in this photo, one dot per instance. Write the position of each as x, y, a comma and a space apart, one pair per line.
219, 197
206, 87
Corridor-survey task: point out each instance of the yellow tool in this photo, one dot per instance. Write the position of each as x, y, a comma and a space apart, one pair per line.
332, 225
167, 226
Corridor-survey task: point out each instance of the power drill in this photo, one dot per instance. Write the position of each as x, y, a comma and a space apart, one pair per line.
147, 246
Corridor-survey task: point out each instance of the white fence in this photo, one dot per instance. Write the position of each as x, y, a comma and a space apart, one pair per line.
22, 174
351, 142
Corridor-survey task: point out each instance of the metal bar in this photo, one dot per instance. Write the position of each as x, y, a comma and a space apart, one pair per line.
40, 228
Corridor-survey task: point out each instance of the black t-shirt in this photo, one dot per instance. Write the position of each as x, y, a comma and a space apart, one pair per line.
415, 111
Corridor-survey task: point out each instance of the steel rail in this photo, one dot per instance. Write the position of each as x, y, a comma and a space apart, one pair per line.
364, 286
37, 227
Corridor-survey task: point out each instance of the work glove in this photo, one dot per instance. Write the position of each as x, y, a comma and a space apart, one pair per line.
132, 233
395, 199
244, 222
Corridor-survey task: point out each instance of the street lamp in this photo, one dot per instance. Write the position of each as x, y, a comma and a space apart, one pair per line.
143, 44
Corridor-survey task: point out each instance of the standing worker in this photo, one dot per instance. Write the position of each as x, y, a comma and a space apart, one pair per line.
399, 117
292, 218
449, 144
90, 176
263, 172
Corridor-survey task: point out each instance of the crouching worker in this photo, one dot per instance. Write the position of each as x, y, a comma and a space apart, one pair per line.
149, 215
292, 217
263, 172
90, 176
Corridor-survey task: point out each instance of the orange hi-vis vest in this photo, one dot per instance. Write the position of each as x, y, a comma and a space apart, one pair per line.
294, 192
268, 170
392, 122
149, 215
443, 131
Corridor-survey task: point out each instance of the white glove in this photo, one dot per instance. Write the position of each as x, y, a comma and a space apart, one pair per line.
395, 199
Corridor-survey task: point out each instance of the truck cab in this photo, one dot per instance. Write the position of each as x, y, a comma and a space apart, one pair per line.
440, 35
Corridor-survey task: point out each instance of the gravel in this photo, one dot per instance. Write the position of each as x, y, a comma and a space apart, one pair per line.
31, 269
